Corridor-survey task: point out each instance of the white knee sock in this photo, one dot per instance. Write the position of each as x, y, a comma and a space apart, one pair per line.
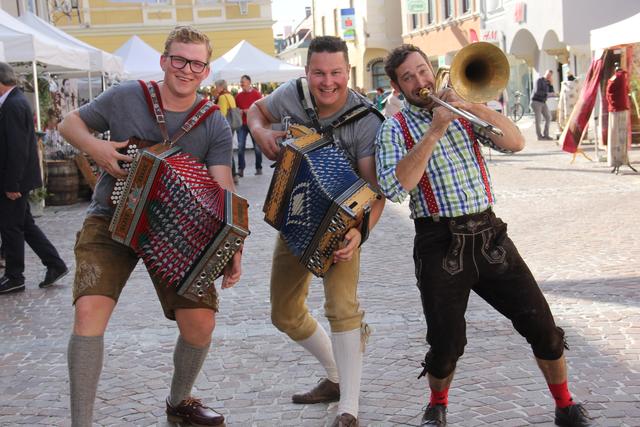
319, 345
348, 352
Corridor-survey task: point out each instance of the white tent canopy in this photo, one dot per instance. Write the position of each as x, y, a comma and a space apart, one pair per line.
100, 61
619, 33
24, 44
141, 61
244, 58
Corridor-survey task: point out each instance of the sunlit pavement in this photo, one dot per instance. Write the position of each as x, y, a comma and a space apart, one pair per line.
577, 226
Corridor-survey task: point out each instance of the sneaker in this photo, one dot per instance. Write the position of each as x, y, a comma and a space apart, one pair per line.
573, 416
324, 391
53, 275
435, 416
191, 411
9, 285
345, 420
241, 173
259, 171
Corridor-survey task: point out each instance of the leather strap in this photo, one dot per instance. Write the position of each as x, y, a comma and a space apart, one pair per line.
201, 111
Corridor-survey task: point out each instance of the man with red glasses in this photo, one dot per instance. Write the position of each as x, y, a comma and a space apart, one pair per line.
104, 265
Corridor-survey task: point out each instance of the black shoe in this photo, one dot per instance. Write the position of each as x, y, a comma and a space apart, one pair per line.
53, 275
259, 171
573, 416
8, 285
435, 416
241, 173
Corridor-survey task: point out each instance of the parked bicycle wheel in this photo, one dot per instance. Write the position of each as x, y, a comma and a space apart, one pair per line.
517, 111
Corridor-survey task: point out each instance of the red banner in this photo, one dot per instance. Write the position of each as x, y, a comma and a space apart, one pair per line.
579, 119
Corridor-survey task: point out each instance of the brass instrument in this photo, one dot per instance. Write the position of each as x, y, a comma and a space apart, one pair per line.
478, 73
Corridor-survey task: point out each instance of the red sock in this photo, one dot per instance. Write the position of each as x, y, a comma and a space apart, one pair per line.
439, 397
560, 393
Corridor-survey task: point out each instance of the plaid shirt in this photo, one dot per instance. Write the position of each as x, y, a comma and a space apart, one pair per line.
453, 169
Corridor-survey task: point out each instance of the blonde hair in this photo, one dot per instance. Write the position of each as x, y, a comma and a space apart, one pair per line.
188, 34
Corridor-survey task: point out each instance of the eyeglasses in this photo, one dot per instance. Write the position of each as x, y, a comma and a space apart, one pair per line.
179, 63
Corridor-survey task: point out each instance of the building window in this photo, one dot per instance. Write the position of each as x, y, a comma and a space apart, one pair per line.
414, 21
448, 9
378, 76
465, 6
431, 12
324, 25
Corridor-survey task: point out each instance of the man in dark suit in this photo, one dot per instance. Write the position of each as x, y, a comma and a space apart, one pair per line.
19, 174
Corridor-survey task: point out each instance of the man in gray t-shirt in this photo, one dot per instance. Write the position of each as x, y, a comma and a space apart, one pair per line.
104, 265
341, 356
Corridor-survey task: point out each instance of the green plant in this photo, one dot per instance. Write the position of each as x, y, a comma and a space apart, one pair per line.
39, 194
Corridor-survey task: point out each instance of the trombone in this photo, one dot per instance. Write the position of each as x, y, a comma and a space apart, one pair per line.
478, 73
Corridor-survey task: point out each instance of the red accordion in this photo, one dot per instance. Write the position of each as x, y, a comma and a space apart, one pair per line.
183, 225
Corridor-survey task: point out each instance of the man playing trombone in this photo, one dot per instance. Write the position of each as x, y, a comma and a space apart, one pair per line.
428, 152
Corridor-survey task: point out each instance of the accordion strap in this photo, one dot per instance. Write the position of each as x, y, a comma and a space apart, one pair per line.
351, 115
195, 117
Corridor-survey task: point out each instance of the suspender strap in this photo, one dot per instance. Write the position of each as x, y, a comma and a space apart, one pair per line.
476, 149
198, 115
424, 184
308, 103
351, 115
201, 111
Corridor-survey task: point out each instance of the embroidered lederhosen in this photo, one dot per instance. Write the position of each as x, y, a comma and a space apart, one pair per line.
464, 226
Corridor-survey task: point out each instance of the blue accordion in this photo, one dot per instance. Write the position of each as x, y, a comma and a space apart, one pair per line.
314, 198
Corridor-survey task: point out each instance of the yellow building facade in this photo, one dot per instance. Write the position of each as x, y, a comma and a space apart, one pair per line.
107, 24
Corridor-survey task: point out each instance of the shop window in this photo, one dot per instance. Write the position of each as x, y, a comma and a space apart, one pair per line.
431, 12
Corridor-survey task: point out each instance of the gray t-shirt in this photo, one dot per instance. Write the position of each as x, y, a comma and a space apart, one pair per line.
123, 110
356, 138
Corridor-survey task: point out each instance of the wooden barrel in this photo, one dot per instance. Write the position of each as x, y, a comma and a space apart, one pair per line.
62, 182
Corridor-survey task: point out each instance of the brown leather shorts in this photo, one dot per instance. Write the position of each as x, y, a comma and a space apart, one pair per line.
103, 267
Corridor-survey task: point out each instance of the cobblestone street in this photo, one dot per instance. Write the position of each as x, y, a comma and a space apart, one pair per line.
577, 226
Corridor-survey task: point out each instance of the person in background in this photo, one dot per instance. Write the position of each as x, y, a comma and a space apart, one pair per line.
244, 100
542, 91
225, 100
19, 174
393, 104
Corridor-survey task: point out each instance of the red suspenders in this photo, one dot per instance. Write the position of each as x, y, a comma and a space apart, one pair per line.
424, 184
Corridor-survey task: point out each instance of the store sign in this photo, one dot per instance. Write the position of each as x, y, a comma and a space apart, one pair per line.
416, 6
348, 19
491, 36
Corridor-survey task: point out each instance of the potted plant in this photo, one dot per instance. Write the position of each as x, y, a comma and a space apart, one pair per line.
36, 200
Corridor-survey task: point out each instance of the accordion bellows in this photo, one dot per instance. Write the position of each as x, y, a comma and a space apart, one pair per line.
315, 197
183, 225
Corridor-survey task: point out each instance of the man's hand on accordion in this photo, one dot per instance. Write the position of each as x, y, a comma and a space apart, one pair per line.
232, 271
106, 156
351, 243
267, 139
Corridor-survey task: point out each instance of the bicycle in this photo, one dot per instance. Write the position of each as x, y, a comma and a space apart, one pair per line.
517, 110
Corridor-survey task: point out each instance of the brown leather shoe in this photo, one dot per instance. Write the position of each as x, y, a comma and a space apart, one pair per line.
324, 391
193, 412
345, 420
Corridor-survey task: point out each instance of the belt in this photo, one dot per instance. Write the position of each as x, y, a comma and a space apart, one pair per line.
469, 223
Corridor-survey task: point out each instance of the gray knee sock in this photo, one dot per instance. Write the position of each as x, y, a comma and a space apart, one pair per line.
187, 361
84, 357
